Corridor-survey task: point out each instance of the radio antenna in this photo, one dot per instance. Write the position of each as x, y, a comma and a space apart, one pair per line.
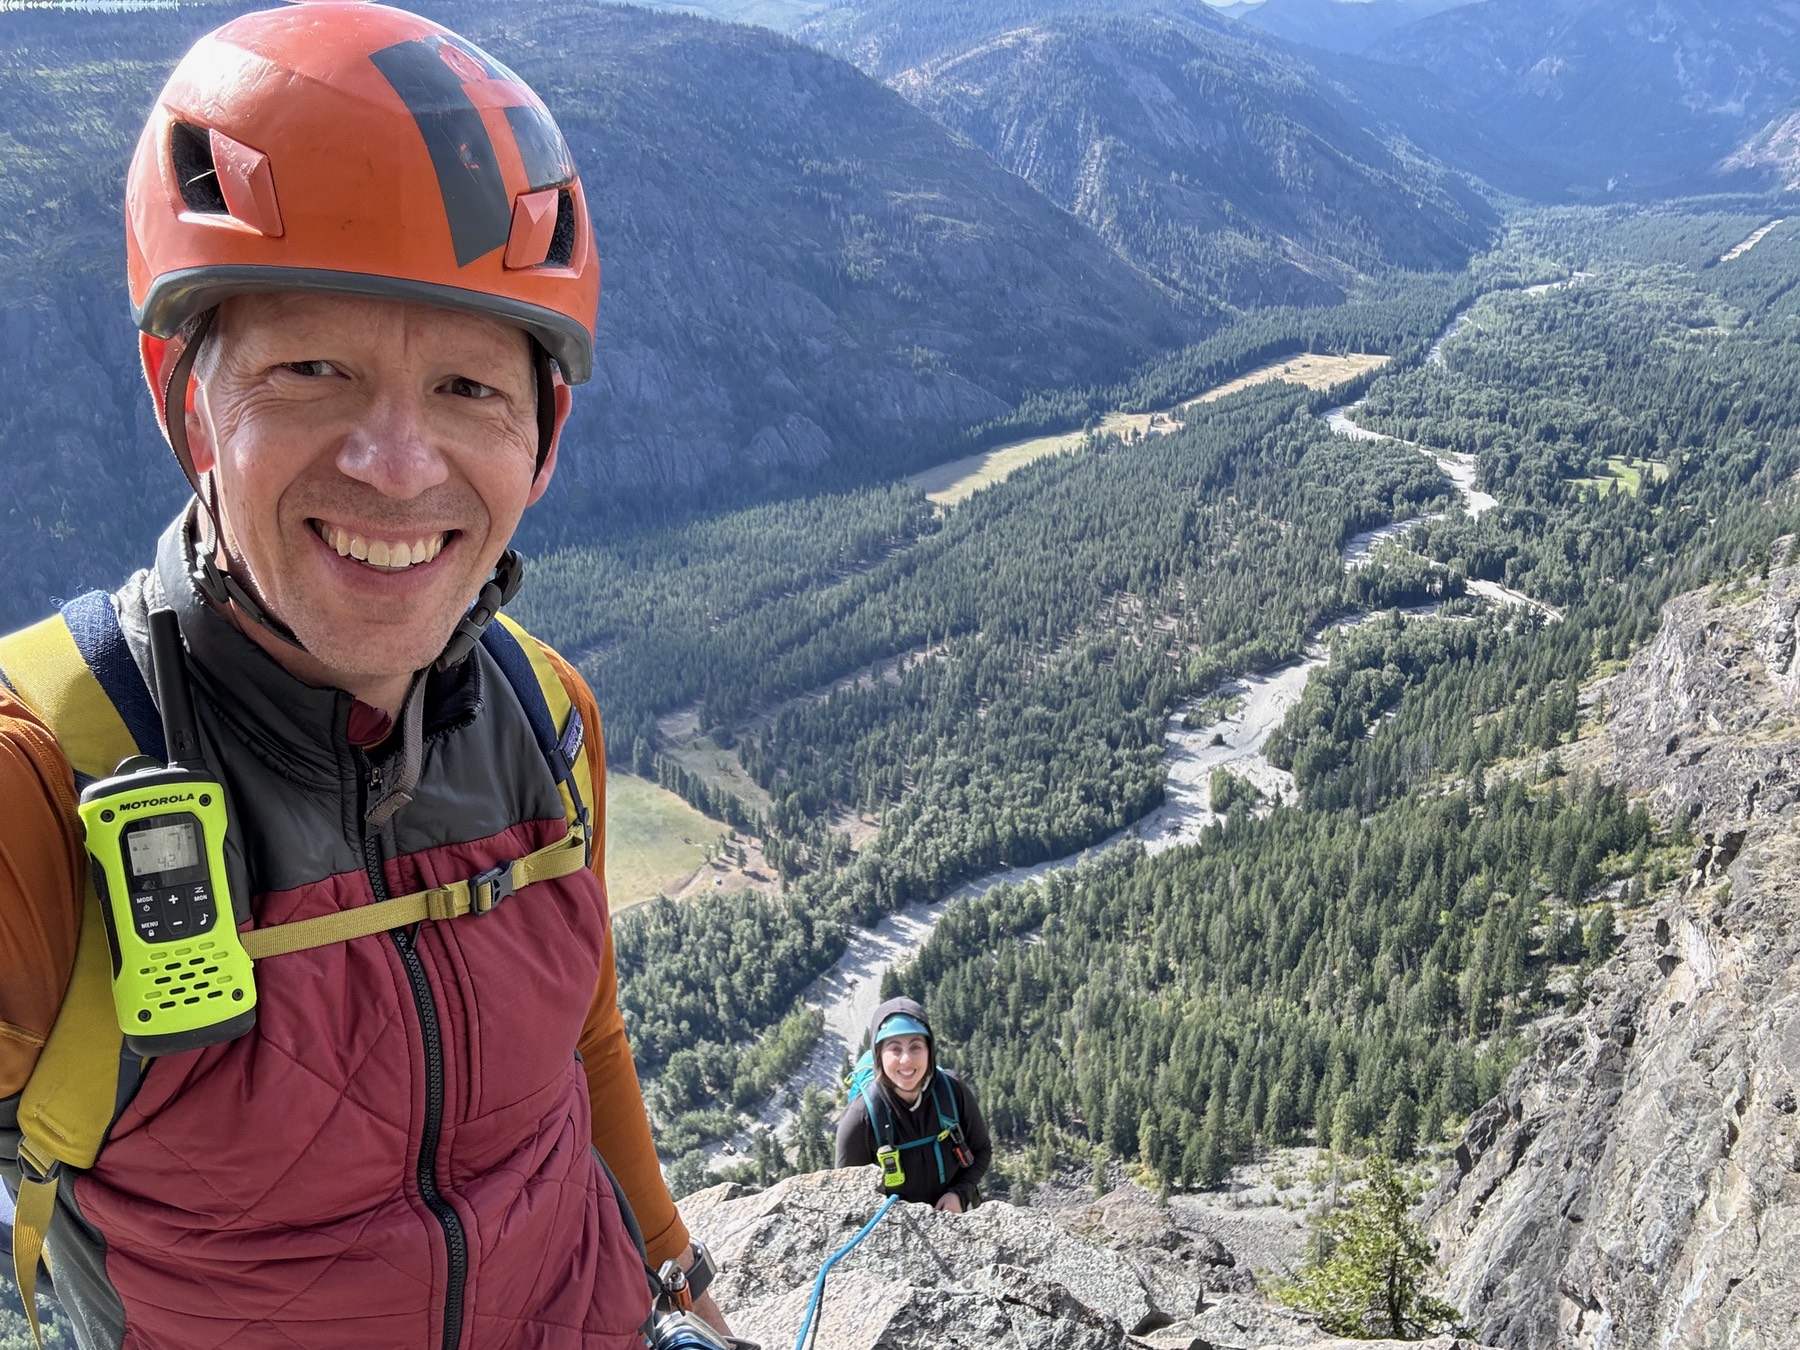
181, 732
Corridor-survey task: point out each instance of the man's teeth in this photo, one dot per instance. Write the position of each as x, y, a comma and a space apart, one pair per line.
380, 552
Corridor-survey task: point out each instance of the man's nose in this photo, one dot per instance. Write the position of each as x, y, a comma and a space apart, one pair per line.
392, 450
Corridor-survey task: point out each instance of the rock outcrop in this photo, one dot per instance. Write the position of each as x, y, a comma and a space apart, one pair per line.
1638, 1181
1122, 1274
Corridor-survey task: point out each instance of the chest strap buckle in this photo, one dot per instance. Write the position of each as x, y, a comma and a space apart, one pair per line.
487, 889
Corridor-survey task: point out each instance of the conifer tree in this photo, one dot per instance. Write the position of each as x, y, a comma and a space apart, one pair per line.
1369, 1278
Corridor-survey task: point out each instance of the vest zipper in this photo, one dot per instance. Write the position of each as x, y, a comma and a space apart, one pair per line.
455, 1244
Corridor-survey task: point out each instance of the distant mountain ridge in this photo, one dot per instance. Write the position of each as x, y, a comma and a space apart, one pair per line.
885, 37
1545, 98
781, 15
1623, 94
1336, 25
1210, 161
888, 37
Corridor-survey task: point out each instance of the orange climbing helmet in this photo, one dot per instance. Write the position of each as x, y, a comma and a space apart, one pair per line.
340, 145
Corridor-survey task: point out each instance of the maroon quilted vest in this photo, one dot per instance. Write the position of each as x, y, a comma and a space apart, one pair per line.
398, 1154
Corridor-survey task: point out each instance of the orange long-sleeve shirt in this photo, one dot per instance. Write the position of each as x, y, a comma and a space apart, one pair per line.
41, 862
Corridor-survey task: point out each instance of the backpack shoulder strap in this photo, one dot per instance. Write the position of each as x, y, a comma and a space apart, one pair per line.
555, 720
557, 727
75, 672
881, 1120
942, 1090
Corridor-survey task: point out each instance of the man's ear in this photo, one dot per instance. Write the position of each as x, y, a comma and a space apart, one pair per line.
565, 400
160, 357
199, 434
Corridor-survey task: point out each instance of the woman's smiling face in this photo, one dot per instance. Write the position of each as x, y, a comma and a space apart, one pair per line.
904, 1060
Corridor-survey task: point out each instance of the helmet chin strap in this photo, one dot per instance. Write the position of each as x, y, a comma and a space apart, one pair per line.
217, 583
499, 588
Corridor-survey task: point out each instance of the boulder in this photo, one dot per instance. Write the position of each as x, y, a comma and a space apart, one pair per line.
922, 1278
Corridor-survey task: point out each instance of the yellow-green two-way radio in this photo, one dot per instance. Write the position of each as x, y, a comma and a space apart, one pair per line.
156, 842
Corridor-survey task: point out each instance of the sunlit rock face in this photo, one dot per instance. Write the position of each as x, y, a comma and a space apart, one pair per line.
1638, 1182
1121, 1274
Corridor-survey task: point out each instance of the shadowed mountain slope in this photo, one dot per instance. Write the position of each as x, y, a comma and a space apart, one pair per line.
1210, 161
804, 275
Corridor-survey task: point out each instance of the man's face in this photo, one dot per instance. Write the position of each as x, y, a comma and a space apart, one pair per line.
372, 458
904, 1060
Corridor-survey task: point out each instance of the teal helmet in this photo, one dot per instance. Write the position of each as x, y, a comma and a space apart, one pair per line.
900, 1024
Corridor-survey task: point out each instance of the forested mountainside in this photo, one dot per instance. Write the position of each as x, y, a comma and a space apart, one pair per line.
802, 274
991, 686
1601, 415
1632, 95
1335, 25
1210, 161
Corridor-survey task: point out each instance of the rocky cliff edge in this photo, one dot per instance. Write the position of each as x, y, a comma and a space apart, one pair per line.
1637, 1183
1121, 1274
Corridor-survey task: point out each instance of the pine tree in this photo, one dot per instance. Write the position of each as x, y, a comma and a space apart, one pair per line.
811, 1135
1213, 1165
1369, 1278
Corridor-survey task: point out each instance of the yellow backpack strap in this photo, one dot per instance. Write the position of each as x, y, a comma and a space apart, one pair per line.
74, 671
557, 727
477, 895
554, 719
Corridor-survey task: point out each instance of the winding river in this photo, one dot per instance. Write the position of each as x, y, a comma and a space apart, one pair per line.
850, 991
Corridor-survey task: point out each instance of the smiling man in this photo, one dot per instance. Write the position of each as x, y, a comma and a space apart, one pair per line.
362, 265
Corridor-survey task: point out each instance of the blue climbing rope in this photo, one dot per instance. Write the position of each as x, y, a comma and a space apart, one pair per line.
812, 1307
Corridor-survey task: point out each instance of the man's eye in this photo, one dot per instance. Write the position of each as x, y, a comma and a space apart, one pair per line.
463, 387
313, 370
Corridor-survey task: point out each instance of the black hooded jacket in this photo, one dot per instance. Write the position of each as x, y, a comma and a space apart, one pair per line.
856, 1141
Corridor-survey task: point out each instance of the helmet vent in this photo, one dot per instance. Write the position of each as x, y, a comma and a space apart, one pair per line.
562, 241
190, 148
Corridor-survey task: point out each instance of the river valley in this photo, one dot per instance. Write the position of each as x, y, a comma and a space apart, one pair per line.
1195, 743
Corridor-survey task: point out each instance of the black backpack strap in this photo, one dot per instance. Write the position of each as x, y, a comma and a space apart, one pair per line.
951, 1119
949, 1122
94, 624
881, 1114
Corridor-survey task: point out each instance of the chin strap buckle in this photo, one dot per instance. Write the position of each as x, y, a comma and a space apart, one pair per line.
509, 574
